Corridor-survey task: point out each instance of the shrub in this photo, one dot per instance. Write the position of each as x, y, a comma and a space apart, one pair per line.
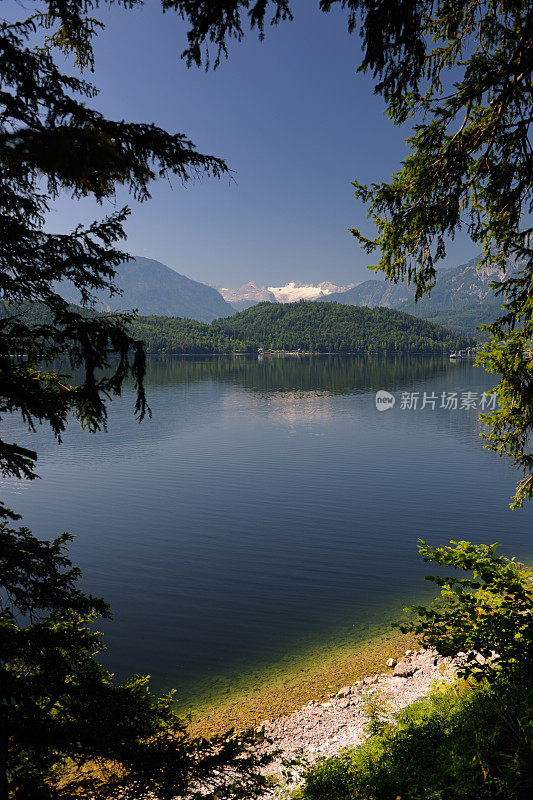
474, 739
457, 744
489, 611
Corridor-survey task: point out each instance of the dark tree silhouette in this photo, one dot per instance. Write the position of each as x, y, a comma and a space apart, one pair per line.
66, 728
52, 141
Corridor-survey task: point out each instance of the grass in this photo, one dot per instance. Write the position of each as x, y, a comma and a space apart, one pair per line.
459, 743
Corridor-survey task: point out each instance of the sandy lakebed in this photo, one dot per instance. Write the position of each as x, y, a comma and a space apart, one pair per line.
279, 691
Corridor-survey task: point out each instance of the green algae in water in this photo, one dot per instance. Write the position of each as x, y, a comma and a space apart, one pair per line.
271, 690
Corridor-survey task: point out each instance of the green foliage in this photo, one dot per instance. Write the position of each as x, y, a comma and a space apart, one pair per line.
474, 738
489, 611
457, 744
377, 714
66, 728
466, 321
309, 327
462, 72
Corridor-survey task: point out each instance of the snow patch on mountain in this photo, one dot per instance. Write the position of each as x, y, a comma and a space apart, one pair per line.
293, 291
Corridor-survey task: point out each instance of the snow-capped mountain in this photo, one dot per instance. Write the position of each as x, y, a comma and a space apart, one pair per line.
305, 291
251, 293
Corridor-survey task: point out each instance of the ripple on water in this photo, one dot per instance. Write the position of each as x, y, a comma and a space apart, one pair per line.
266, 518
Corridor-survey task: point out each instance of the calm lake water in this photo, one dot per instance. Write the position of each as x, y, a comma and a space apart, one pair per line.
266, 507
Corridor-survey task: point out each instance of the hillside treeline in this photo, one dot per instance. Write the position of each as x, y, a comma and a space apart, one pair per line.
309, 327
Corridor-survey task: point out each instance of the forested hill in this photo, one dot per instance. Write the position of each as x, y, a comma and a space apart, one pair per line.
310, 327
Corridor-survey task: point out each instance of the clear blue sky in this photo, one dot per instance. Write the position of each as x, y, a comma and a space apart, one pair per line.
292, 119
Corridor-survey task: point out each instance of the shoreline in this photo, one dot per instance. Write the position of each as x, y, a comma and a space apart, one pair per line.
281, 692
322, 729
252, 354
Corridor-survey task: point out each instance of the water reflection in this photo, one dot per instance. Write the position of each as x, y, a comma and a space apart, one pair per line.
266, 506
334, 374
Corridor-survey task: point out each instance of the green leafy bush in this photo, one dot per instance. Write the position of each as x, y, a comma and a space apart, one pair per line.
475, 738
462, 743
489, 612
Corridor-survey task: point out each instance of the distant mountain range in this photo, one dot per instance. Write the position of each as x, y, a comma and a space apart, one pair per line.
250, 293
455, 288
153, 288
292, 291
461, 299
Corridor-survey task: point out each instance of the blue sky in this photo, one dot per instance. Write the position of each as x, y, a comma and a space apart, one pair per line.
290, 116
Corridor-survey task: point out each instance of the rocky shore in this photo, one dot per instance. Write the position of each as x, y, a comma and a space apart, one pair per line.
323, 728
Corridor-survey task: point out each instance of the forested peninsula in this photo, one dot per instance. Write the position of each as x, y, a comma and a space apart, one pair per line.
303, 326
308, 327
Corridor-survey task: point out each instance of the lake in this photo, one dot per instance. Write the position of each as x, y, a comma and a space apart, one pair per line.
267, 516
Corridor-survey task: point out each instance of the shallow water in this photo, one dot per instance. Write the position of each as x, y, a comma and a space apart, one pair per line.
267, 510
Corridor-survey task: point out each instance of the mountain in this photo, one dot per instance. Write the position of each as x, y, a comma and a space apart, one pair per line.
372, 293
309, 327
466, 320
293, 291
247, 295
461, 299
456, 288
242, 305
250, 294
153, 288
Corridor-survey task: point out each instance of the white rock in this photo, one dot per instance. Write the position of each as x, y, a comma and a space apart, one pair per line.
409, 653
344, 692
391, 662
404, 669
